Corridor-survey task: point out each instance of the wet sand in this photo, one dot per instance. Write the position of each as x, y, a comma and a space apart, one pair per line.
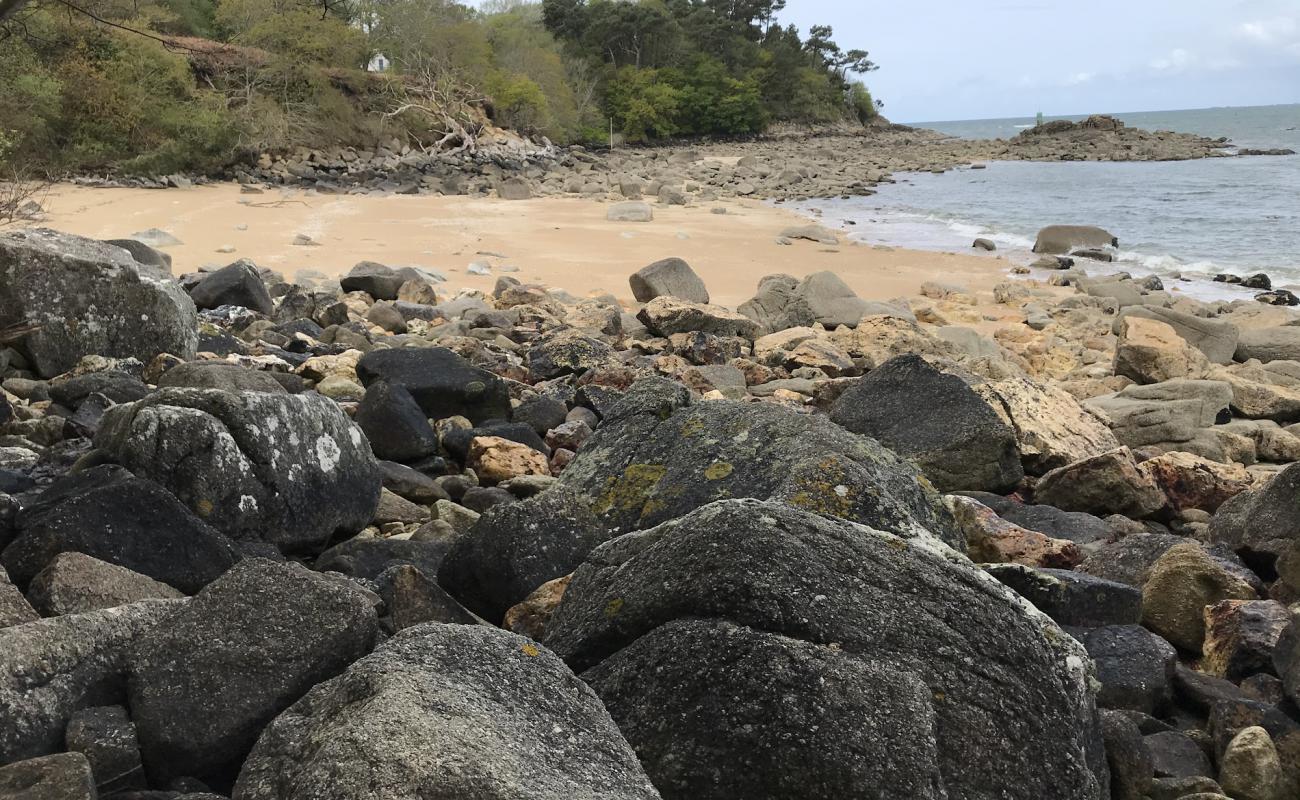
558, 242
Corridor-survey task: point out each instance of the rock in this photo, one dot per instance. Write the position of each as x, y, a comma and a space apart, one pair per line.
514, 189
778, 305
1051, 428
1055, 239
74, 583
812, 233
446, 711
376, 280
1182, 583
655, 460
515, 548
63, 776
144, 254
387, 317
935, 419
1250, 769
1134, 666
986, 245
782, 585
1262, 524
53, 668
395, 424
1278, 297
1216, 339
665, 316
1150, 351
831, 301
1269, 344
1073, 599
107, 514
106, 737
1240, 636
240, 652
443, 383
630, 211
1110, 483
1173, 411
567, 353
1127, 756
368, 559
291, 470
495, 459
120, 309
1190, 481
1075, 526
670, 277
239, 284
412, 599
218, 375
530, 617
1175, 755
992, 540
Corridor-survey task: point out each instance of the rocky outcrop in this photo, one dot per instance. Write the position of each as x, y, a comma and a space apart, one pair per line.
670, 277
1064, 238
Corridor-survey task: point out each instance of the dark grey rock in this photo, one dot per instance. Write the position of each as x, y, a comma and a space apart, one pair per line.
1127, 756
219, 375
1134, 666
144, 254
1010, 692
567, 353
541, 413
376, 280
64, 776
117, 308
395, 424
291, 470
446, 711
412, 599
1176, 755
75, 583
239, 284
1286, 659
241, 651
118, 386
1075, 526
106, 736
370, 558
411, 484
1262, 524
1128, 560
443, 383
1073, 599
919, 412
670, 277
14, 608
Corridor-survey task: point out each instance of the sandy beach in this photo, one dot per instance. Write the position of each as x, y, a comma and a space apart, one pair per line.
558, 242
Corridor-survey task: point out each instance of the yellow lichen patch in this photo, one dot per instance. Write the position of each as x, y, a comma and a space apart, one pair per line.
531, 650
631, 490
204, 507
718, 470
613, 606
692, 426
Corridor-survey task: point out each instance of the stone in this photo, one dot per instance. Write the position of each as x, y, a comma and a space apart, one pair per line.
14, 608
1057, 239
394, 423
1182, 583
110, 515
567, 353
1129, 559
53, 668
1250, 768
1134, 666
670, 277
378, 281
1192, 482
120, 309
1051, 428
1073, 599
240, 652
831, 301
812, 233
1150, 351
1216, 339
992, 540
106, 736
74, 583
1262, 524
368, 559
291, 470
495, 459
239, 284
144, 254
935, 419
63, 776
665, 316
1110, 483
443, 383
387, 317
778, 305
630, 211
656, 458
218, 375
530, 617
986, 245
1174, 754
1083, 529
446, 711
1240, 636
1269, 344
1127, 756
782, 585
514, 189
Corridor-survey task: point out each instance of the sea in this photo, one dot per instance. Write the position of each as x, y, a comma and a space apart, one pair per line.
1192, 219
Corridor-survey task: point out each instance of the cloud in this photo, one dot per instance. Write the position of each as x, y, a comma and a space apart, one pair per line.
1080, 78
1177, 61
1276, 31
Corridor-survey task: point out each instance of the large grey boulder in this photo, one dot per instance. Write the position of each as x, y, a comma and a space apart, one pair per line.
777, 305
1058, 239
447, 711
244, 649
671, 277
630, 211
1110, 483
62, 776
667, 315
656, 458
919, 412
1005, 695
89, 298
1216, 339
239, 284
219, 375
51, 668
442, 383
1171, 411
377, 280
75, 583
831, 300
1269, 344
291, 470
1263, 524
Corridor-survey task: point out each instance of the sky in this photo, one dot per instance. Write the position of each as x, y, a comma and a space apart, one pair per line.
978, 59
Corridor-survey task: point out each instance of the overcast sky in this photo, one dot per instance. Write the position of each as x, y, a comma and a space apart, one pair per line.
973, 59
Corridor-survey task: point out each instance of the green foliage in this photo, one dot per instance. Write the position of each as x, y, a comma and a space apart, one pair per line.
642, 105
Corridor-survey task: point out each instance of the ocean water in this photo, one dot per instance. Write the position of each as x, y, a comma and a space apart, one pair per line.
1188, 218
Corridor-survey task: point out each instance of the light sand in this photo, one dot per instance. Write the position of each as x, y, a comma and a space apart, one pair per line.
557, 242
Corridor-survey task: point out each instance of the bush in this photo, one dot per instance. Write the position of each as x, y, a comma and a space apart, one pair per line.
641, 105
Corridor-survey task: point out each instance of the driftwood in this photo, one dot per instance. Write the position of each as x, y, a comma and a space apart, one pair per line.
437, 93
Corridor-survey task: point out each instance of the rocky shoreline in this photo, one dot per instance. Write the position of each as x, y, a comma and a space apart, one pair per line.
376, 538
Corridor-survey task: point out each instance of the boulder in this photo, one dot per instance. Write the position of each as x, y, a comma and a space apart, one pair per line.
89, 298
1058, 239
993, 540
670, 277
239, 284
777, 305
1150, 351
1127, 756
1075, 526
495, 459
446, 711
1174, 411
1240, 636
1262, 524
1051, 428
443, 383
75, 583
1269, 344
1134, 666
1216, 339
630, 211
394, 423
935, 419
144, 254
831, 301
291, 470
106, 737
240, 652
14, 608
1250, 768
378, 281
1129, 559
110, 515
567, 352
656, 458
1192, 482
1174, 754
1182, 583
1110, 483
530, 617
52, 668
218, 375
63, 776
514, 189
1073, 599
665, 316
775, 585
812, 233
1286, 658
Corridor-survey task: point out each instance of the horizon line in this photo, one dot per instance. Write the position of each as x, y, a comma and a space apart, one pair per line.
1094, 113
